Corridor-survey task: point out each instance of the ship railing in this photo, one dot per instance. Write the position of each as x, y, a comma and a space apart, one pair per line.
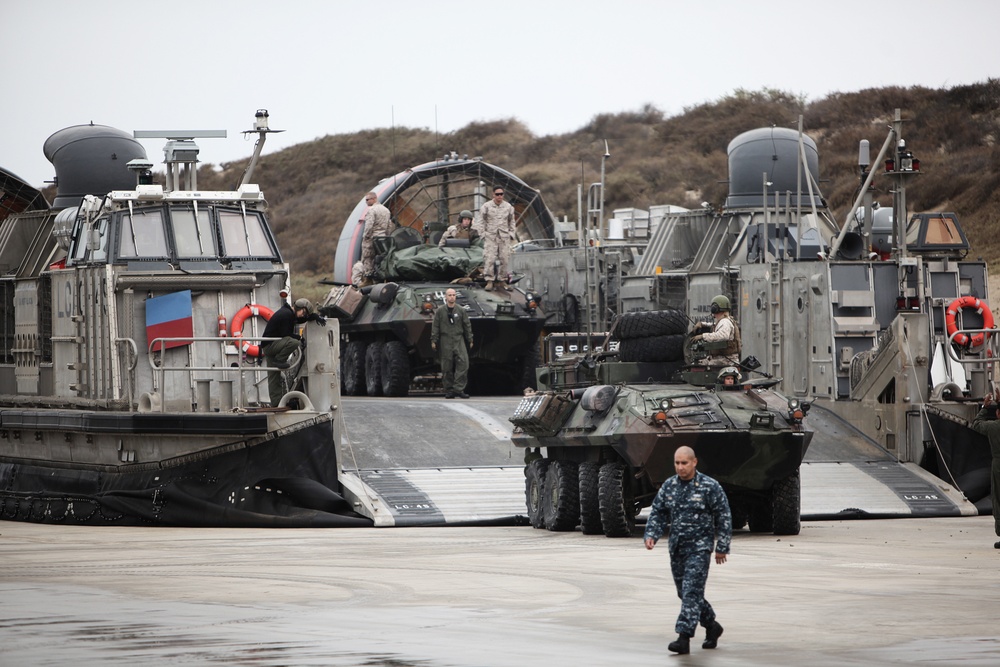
202, 386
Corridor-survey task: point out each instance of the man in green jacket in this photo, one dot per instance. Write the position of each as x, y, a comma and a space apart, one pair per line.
451, 331
987, 422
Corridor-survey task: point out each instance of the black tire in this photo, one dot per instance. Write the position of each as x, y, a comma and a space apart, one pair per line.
590, 498
528, 367
373, 369
786, 503
395, 369
668, 347
642, 324
534, 491
738, 512
561, 502
353, 368
616, 501
759, 517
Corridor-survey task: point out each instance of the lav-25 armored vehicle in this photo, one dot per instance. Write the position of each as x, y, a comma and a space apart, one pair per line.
386, 327
609, 429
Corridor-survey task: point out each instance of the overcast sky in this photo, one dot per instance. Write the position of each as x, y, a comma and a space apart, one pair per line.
336, 66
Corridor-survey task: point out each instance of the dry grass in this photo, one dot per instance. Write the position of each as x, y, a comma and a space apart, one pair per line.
682, 159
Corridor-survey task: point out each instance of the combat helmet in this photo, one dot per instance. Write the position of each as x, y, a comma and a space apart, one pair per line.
465, 214
720, 303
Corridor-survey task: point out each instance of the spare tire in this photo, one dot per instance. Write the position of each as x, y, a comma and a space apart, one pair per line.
646, 323
653, 348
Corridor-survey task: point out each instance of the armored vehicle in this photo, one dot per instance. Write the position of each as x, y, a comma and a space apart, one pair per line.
609, 429
124, 397
386, 327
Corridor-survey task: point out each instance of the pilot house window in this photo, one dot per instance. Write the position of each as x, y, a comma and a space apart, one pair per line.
142, 235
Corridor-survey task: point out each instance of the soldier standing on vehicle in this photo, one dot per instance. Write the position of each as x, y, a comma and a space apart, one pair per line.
987, 422
451, 331
724, 329
497, 220
693, 509
378, 222
463, 230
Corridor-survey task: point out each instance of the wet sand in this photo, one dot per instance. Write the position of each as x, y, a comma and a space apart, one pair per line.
904, 591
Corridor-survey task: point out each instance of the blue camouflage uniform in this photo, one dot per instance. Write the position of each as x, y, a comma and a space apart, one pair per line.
694, 513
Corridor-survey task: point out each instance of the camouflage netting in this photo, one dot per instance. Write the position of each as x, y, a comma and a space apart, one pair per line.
425, 262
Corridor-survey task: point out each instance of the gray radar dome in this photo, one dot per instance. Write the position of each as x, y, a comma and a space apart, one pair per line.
91, 160
772, 151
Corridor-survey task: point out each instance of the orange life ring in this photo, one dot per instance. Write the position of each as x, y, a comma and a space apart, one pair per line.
965, 340
245, 312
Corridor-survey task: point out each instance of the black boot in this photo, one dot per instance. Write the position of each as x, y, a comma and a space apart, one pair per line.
682, 645
712, 634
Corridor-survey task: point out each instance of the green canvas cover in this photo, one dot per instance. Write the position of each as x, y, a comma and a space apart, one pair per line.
427, 262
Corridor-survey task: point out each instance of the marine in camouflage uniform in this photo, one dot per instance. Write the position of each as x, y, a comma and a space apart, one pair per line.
463, 230
451, 331
692, 508
987, 422
378, 222
497, 220
724, 328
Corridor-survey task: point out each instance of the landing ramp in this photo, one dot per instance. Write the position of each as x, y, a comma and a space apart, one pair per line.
427, 461
432, 461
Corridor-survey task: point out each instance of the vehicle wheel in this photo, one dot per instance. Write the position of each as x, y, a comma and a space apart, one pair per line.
739, 513
786, 504
668, 347
528, 366
534, 488
642, 324
616, 501
561, 502
590, 498
373, 369
353, 370
759, 517
395, 369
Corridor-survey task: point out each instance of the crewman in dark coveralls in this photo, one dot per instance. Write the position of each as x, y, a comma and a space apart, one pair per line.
451, 331
986, 422
693, 509
276, 352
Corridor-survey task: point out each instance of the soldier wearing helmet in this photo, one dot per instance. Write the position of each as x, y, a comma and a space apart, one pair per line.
723, 329
463, 230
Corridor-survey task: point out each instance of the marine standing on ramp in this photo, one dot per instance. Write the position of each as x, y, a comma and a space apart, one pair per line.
692, 507
987, 422
450, 332
378, 222
497, 219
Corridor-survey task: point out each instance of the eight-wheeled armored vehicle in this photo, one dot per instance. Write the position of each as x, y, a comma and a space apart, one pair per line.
601, 433
386, 327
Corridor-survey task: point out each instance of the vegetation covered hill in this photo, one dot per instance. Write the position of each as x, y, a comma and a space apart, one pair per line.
681, 159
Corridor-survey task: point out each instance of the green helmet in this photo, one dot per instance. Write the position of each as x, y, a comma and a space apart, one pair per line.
719, 303
465, 214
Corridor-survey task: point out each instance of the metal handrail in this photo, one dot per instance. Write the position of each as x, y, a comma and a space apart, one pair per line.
162, 369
